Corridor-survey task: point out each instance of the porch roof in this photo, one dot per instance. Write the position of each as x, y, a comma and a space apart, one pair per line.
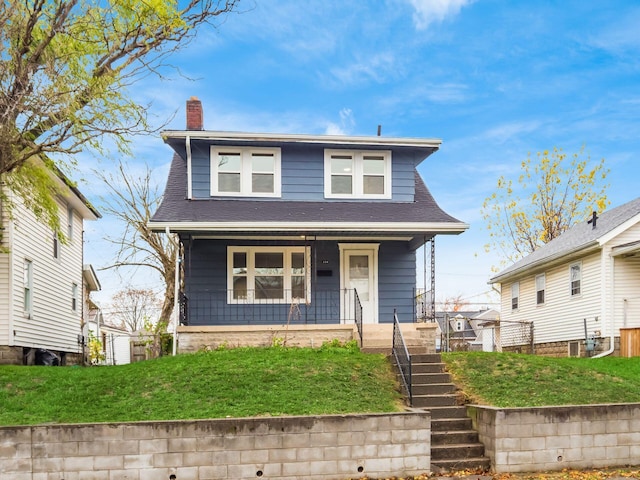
423, 217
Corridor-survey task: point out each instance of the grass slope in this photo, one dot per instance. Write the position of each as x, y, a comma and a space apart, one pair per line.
234, 382
513, 380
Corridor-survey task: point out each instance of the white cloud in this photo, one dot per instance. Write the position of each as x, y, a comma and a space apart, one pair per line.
430, 11
346, 125
377, 68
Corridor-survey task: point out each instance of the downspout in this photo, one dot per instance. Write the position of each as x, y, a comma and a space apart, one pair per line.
189, 182
176, 294
609, 310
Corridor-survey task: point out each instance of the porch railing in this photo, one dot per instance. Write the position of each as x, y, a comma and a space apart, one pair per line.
402, 357
424, 306
357, 306
223, 307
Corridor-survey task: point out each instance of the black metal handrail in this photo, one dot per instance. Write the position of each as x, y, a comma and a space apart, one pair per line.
226, 307
402, 357
357, 306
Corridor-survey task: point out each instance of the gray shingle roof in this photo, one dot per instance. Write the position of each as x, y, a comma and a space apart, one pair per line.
176, 208
578, 237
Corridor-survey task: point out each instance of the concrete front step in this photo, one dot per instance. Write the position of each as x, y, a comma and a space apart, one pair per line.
439, 467
441, 400
456, 452
462, 437
433, 389
429, 378
448, 412
450, 424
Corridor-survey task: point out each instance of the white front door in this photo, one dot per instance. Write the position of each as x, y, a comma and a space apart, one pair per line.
359, 272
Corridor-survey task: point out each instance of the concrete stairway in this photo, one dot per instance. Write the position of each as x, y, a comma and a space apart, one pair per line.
454, 443
378, 338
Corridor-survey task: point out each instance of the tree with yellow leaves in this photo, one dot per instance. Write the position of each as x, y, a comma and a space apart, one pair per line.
553, 192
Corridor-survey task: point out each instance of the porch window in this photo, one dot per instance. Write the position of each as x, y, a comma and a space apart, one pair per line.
357, 174
268, 274
248, 172
540, 286
515, 295
576, 279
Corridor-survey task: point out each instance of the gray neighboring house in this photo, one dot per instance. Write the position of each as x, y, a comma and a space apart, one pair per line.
582, 288
284, 228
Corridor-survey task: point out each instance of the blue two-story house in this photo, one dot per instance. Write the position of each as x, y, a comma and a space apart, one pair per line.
281, 228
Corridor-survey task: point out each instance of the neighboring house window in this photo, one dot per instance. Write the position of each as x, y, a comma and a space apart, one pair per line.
540, 285
357, 174
515, 295
270, 274
576, 279
74, 296
251, 172
56, 245
69, 224
28, 287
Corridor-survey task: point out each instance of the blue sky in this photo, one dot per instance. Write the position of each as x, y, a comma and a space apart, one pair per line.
494, 79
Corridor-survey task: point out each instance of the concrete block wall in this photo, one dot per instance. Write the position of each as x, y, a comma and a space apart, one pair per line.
321, 447
10, 355
193, 338
553, 438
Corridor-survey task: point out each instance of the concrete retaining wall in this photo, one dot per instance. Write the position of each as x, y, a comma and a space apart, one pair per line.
321, 447
192, 339
553, 438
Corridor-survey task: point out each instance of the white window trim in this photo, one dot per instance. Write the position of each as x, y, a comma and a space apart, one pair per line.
70, 218
571, 294
250, 251
57, 246
28, 284
357, 174
74, 297
245, 172
517, 297
543, 289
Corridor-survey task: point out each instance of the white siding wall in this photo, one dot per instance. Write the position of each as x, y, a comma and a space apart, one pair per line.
561, 317
53, 325
626, 276
5, 324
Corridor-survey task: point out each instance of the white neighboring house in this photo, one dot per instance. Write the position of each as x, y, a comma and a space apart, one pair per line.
41, 282
116, 342
584, 284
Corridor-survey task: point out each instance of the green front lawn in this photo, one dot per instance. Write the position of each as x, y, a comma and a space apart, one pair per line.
234, 382
514, 380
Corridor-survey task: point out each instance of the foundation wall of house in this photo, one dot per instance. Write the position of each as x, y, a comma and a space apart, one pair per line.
11, 355
554, 438
332, 447
562, 349
194, 339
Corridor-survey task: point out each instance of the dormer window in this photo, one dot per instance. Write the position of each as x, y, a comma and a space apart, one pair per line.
357, 174
245, 172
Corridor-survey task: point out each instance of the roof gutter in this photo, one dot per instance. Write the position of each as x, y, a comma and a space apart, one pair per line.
294, 227
302, 138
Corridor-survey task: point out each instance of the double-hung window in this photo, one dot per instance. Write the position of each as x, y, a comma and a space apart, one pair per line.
576, 279
74, 297
28, 287
70, 224
515, 295
268, 274
245, 172
357, 174
540, 286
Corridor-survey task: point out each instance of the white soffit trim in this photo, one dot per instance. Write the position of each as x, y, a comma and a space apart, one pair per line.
630, 249
441, 227
302, 138
619, 229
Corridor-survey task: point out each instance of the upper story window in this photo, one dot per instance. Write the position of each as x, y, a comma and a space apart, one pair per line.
357, 174
74, 297
576, 279
515, 295
245, 172
541, 280
56, 245
70, 224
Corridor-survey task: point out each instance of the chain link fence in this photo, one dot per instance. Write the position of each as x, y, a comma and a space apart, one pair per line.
488, 336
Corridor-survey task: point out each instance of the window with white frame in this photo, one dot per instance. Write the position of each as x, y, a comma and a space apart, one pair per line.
515, 295
28, 287
74, 297
576, 278
56, 245
540, 287
357, 174
268, 274
248, 172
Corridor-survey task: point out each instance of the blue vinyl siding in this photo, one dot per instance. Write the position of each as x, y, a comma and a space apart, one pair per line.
302, 171
206, 282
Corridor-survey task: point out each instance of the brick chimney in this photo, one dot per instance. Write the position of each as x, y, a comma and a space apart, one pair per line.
194, 114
